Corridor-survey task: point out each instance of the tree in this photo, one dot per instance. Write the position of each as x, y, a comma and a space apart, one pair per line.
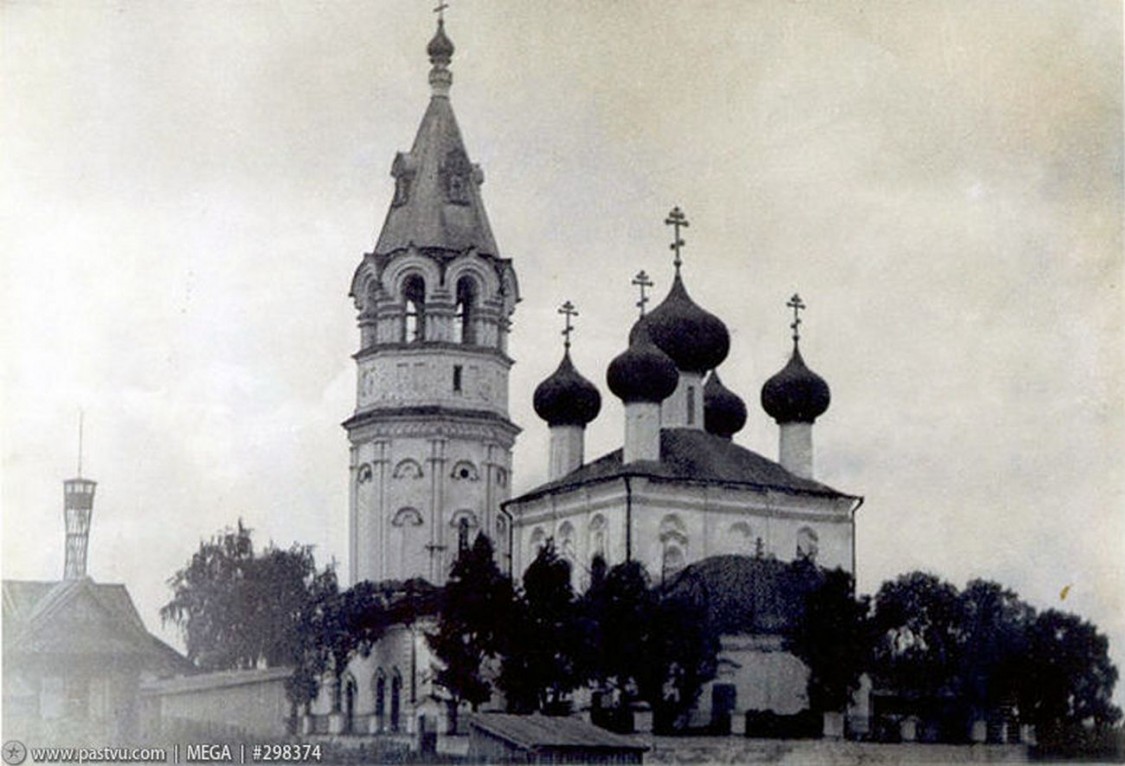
681, 654
653, 647
832, 636
235, 609
540, 666
916, 649
1068, 678
993, 629
475, 613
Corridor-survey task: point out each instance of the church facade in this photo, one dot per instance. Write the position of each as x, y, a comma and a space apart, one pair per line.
431, 439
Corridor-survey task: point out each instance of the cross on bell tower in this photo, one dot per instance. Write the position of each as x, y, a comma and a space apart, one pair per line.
677, 220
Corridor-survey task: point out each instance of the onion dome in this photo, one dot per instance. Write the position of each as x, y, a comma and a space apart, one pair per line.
724, 412
697, 340
796, 394
566, 398
642, 373
440, 49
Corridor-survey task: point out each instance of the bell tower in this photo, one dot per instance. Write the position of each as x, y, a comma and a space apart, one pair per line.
431, 438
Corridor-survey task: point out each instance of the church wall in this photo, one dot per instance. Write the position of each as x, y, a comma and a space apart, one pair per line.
676, 524
764, 676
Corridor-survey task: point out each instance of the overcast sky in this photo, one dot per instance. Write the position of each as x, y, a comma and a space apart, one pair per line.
187, 188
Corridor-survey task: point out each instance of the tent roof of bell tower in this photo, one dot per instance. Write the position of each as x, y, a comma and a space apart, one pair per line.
437, 203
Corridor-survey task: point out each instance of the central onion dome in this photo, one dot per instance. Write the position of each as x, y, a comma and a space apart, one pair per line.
642, 372
796, 394
724, 412
696, 340
566, 398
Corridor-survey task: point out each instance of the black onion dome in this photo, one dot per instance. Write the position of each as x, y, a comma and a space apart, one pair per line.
566, 398
796, 394
724, 412
642, 372
440, 48
697, 340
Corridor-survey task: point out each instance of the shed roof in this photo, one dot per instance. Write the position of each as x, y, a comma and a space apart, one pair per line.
532, 732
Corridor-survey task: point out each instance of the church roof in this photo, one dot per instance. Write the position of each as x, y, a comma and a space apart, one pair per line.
437, 203
692, 456
81, 617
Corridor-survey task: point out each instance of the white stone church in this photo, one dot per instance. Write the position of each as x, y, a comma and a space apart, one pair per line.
431, 439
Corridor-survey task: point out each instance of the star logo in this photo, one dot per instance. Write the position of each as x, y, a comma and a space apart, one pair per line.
14, 752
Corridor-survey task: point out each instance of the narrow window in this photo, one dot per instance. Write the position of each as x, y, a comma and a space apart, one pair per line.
414, 296
463, 535
466, 300
456, 378
691, 405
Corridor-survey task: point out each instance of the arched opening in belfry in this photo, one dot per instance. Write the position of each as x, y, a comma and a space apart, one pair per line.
414, 298
463, 330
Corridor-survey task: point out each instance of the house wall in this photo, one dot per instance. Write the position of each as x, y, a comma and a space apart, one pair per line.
251, 703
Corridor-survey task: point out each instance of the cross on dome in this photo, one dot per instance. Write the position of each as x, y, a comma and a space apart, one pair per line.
797, 305
677, 220
642, 281
568, 310
440, 11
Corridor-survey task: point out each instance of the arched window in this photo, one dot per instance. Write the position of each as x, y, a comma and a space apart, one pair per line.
740, 539
414, 297
463, 331
538, 540
808, 544
673, 542
464, 522
350, 689
396, 700
380, 686
672, 561
566, 541
597, 544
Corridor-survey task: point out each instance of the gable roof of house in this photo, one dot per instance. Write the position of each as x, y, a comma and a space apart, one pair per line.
79, 617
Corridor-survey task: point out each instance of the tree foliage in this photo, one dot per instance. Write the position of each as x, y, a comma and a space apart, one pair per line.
648, 646
833, 638
540, 664
1068, 677
239, 610
475, 615
916, 650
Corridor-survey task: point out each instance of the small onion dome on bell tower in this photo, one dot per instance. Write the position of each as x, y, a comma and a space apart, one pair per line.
642, 373
440, 49
566, 398
724, 412
796, 394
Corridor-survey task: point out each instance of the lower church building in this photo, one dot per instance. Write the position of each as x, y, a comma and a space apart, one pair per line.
431, 443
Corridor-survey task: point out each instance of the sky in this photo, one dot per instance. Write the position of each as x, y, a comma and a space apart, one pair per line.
187, 188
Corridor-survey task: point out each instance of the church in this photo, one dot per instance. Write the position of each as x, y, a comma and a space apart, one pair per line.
431, 439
